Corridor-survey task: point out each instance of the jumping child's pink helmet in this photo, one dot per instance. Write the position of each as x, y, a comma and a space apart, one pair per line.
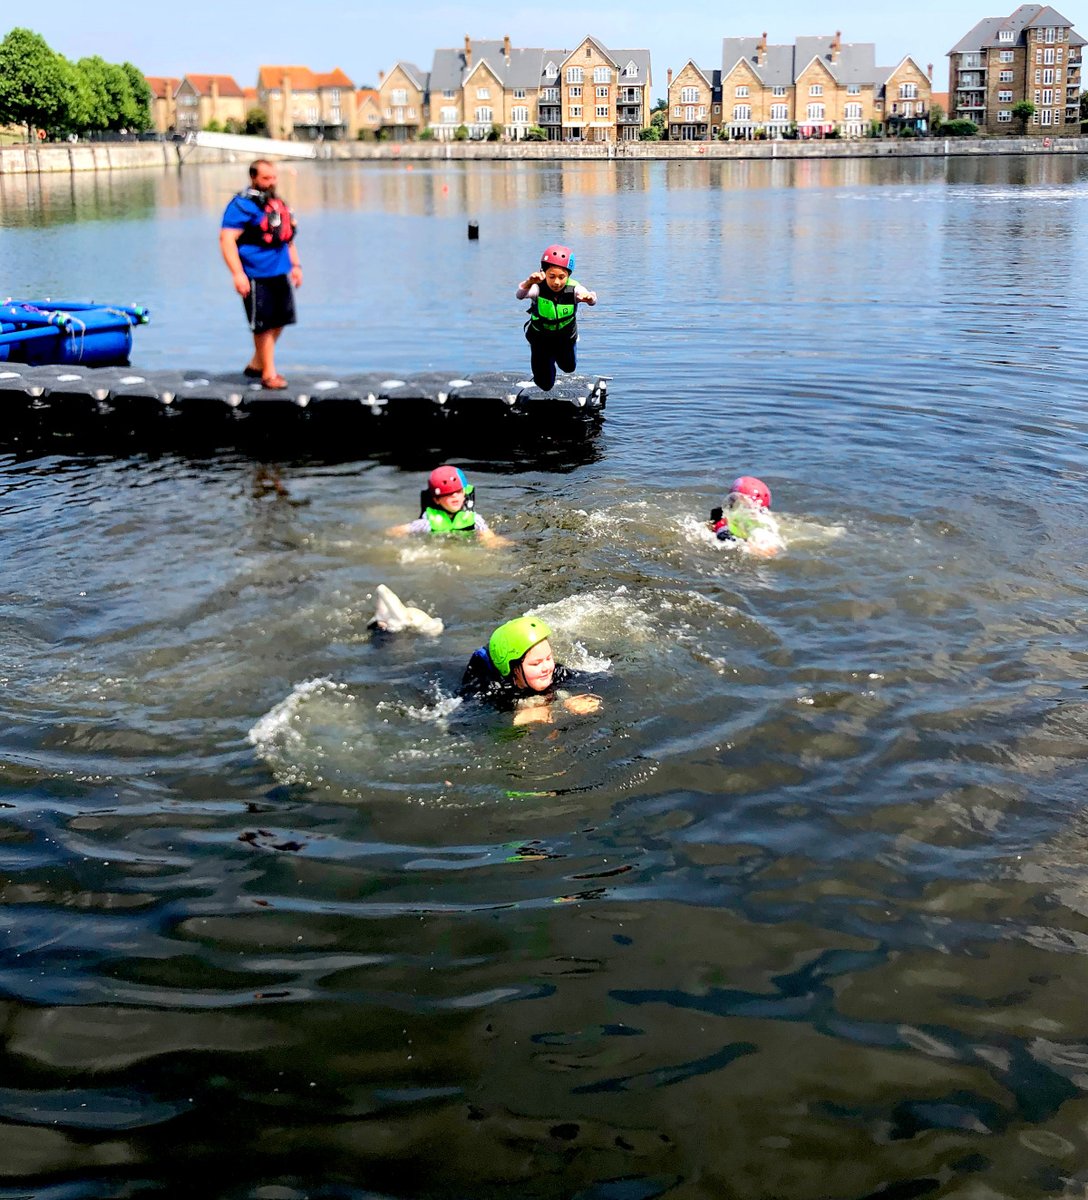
445, 480
755, 489
557, 256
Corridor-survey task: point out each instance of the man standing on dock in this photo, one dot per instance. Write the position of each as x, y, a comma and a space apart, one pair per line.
257, 240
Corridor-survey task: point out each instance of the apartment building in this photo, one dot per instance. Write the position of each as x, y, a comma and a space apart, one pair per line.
305, 105
403, 98
368, 111
1033, 55
695, 103
595, 94
483, 84
201, 99
163, 106
815, 87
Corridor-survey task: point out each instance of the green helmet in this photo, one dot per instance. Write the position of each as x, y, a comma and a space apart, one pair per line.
514, 640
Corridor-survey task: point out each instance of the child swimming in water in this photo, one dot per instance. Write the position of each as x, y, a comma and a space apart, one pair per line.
517, 670
746, 517
448, 505
552, 327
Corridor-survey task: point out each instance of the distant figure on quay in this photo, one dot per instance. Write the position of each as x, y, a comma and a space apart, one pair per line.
257, 240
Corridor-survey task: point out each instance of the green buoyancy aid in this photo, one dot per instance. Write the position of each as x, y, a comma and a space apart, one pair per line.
555, 311
441, 521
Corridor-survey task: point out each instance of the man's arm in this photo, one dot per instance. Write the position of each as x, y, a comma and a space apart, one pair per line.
228, 247
296, 266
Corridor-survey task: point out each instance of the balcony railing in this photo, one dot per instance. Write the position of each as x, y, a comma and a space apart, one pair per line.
975, 102
630, 116
629, 96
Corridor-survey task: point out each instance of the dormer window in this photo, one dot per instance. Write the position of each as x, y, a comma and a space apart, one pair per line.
1005, 35
630, 71
551, 71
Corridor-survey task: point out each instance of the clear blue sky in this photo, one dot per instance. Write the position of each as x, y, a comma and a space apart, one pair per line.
363, 36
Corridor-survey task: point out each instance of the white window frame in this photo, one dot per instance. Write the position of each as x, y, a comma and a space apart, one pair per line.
1005, 56
908, 91
485, 115
398, 97
816, 112
851, 112
602, 112
688, 95
1048, 116
602, 74
602, 92
574, 74
742, 112
1004, 97
816, 89
1048, 75
551, 71
576, 111
519, 115
1004, 116
1005, 35
576, 92
549, 95
483, 93
853, 89
741, 93
519, 93
630, 71
780, 112
1051, 31
778, 90
1004, 77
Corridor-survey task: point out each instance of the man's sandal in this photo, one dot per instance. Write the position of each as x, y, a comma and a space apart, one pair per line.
274, 383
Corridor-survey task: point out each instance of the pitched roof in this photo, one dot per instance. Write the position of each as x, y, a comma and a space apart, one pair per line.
984, 35
249, 94
521, 69
334, 79
362, 95
855, 62
416, 77
162, 86
202, 85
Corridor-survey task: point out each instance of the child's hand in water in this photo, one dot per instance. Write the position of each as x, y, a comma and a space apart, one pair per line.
533, 716
582, 706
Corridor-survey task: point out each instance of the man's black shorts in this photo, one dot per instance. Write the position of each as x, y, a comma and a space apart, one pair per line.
270, 303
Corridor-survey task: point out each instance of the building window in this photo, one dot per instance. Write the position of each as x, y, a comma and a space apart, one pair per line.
780, 112
519, 93
576, 93
602, 110
551, 71
550, 94
817, 89
742, 112
1005, 35
1048, 56
1006, 55
677, 111
742, 93
1050, 32
1059, 54
630, 70
689, 95
602, 93
815, 112
1048, 95
1048, 75
574, 74
1047, 116
483, 93
1004, 115
449, 116
519, 115
399, 96
1038, 75
852, 112
1038, 56
311, 115
575, 110
853, 89
778, 90
448, 94
589, 52
1004, 97
484, 115
1004, 77
602, 75
717, 110
908, 91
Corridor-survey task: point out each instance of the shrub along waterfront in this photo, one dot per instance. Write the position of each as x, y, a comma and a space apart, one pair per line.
49, 95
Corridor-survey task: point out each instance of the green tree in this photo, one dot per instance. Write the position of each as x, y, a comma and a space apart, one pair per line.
141, 98
960, 127
936, 117
660, 105
96, 74
213, 126
460, 134
79, 102
257, 122
124, 102
536, 134
652, 133
1023, 111
32, 81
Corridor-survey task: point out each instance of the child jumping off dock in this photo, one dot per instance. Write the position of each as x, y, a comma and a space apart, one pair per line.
552, 328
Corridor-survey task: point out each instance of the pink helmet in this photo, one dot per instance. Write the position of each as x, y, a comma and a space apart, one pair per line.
557, 256
755, 489
446, 480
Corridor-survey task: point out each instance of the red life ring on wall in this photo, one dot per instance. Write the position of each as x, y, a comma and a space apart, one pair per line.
41, 135
1046, 143
702, 149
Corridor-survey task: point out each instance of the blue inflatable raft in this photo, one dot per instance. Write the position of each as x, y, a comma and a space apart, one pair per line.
54, 332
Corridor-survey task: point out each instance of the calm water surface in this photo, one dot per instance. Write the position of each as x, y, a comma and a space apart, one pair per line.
803, 913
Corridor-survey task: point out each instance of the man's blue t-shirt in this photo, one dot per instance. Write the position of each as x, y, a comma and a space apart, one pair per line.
258, 262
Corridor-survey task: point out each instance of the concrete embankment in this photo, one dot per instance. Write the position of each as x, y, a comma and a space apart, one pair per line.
115, 156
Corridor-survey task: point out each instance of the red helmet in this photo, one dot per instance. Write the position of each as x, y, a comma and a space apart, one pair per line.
755, 489
445, 480
557, 256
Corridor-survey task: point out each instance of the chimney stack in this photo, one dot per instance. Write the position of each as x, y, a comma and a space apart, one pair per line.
506, 48
468, 51
761, 50
929, 72
668, 79
381, 77
836, 45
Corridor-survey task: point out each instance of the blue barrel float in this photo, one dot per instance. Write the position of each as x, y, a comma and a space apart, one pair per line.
55, 332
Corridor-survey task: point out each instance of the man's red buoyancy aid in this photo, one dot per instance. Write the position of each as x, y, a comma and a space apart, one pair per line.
277, 224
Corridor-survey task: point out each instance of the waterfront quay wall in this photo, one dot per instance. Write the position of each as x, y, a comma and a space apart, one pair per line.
115, 156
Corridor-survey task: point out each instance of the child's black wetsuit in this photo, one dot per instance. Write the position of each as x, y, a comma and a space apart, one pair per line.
482, 682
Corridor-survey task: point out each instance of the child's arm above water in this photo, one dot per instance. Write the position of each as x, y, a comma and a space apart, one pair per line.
529, 288
487, 536
584, 296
